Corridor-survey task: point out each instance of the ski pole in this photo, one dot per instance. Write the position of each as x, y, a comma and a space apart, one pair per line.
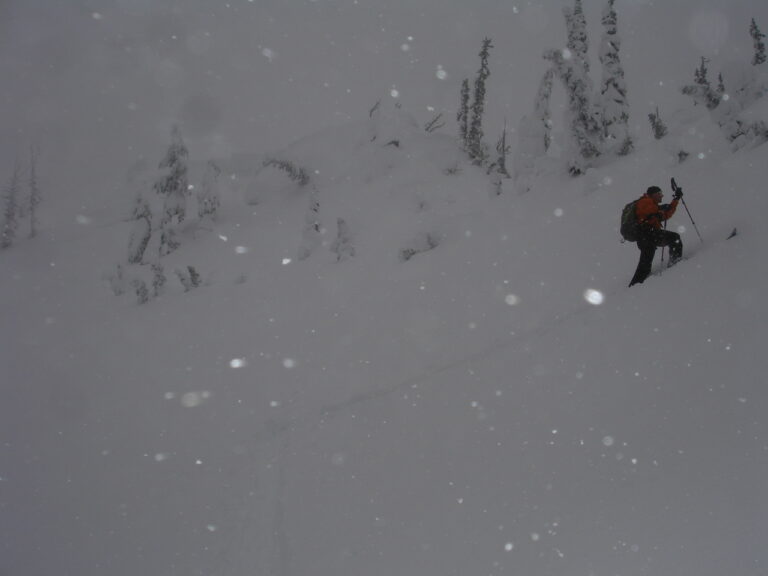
677, 188
691, 217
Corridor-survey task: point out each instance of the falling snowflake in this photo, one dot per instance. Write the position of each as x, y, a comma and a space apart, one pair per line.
269, 54
194, 399
289, 363
237, 363
512, 300
441, 73
594, 297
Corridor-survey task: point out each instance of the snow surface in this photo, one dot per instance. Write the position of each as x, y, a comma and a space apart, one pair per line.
500, 403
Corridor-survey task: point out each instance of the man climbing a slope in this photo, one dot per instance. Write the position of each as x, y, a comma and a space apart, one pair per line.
650, 214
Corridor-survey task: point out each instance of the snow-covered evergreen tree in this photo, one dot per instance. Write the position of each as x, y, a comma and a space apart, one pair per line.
462, 116
475, 147
542, 108
614, 106
701, 90
208, 200
571, 65
576, 26
757, 39
657, 125
142, 230
342, 246
10, 209
34, 194
700, 75
173, 187
158, 279
720, 86
585, 132
189, 277
311, 234
142, 292
502, 149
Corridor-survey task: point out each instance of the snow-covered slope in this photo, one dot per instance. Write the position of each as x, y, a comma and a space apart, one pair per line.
498, 403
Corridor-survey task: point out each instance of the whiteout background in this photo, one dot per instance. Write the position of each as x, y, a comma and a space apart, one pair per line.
474, 410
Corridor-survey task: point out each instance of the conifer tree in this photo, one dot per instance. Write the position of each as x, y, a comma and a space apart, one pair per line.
208, 201
462, 116
614, 106
311, 234
576, 25
142, 230
173, 187
585, 132
475, 146
542, 107
572, 67
158, 279
502, 149
657, 125
701, 90
700, 75
10, 209
142, 292
34, 193
757, 39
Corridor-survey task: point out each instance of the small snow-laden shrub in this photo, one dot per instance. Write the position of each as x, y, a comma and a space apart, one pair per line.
422, 243
342, 246
142, 292
189, 278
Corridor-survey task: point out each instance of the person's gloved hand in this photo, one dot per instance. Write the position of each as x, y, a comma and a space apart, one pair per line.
678, 194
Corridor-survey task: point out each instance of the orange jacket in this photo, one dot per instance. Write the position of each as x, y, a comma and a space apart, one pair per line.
650, 213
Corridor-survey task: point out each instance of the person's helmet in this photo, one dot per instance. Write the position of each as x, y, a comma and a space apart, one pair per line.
654, 190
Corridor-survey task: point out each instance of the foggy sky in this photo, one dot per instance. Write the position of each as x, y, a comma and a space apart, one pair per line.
96, 85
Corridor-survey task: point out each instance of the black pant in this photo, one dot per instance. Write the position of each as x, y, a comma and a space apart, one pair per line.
648, 242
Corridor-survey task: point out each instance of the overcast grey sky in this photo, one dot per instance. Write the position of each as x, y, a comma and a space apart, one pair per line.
96, 84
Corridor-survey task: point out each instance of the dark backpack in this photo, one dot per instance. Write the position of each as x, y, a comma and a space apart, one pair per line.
630, 227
